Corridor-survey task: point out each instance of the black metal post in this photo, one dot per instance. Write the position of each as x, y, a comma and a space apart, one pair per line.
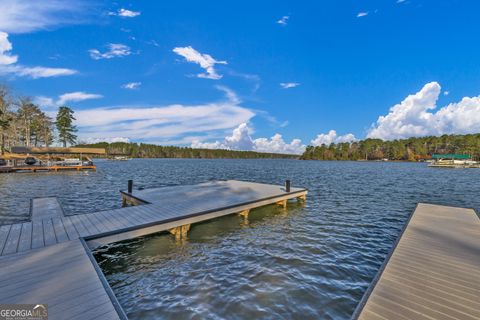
130, 186
287, 185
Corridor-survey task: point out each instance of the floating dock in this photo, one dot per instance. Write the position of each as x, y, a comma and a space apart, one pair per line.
34, 168
48, 260
433, 271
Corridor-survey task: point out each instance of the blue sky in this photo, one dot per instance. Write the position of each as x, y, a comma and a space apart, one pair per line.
260, 75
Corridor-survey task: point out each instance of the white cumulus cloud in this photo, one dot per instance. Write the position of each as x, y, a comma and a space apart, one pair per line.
416, 116
288, 85
242, 140
114, 50
131, 85
5, 48
9, 65
362, 14
332, 137
283, 20
205, 61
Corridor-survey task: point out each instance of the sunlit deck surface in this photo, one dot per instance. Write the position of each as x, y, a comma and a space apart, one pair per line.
48, 261
433, 272
62, 276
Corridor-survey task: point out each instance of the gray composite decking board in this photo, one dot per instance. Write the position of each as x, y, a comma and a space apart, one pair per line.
100, 223
88, 224
4, 231
25, 241
444, 298
433, 271
72, 233
20, 288
49, 232
37, 234
48, 207
442, 287
108, 218
78, 225
60, 231
52, 285
117, 220
12, 240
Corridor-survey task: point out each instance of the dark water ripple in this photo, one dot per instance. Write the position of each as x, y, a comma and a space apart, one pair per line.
310, 262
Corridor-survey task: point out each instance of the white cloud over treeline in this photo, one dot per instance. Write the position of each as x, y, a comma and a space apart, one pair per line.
418, 115
240, 139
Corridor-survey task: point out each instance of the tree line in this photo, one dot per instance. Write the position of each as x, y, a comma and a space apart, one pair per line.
411, 149
143, 150
23, 123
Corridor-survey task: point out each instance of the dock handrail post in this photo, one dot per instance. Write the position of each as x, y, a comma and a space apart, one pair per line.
130, 186
287, 185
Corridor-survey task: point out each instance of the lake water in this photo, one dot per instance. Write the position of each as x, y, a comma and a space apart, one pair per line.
309, 262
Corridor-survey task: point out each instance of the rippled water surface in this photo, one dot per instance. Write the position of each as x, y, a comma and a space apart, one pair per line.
309, 262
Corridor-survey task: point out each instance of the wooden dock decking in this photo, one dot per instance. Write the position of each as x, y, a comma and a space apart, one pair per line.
433, 271
61, 276
48, 261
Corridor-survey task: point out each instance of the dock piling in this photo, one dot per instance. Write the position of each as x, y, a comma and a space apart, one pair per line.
287, 185
130, 186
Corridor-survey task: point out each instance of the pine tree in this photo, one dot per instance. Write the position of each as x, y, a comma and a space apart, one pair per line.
65, 126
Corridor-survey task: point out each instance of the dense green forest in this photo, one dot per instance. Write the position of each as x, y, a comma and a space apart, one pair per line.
412, 149
142, 150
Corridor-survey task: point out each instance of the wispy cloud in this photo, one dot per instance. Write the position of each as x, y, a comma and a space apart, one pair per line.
205, 61
114, 50
283, 20
22, 16
362, 14
77, 96
163, 124
9, 66
288, 85
132, 85
125, 13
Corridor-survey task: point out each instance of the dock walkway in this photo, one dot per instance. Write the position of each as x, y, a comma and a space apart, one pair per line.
433, 272
48, 260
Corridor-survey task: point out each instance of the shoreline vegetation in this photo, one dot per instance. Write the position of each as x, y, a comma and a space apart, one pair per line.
411, 149
143, 150
23, 123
